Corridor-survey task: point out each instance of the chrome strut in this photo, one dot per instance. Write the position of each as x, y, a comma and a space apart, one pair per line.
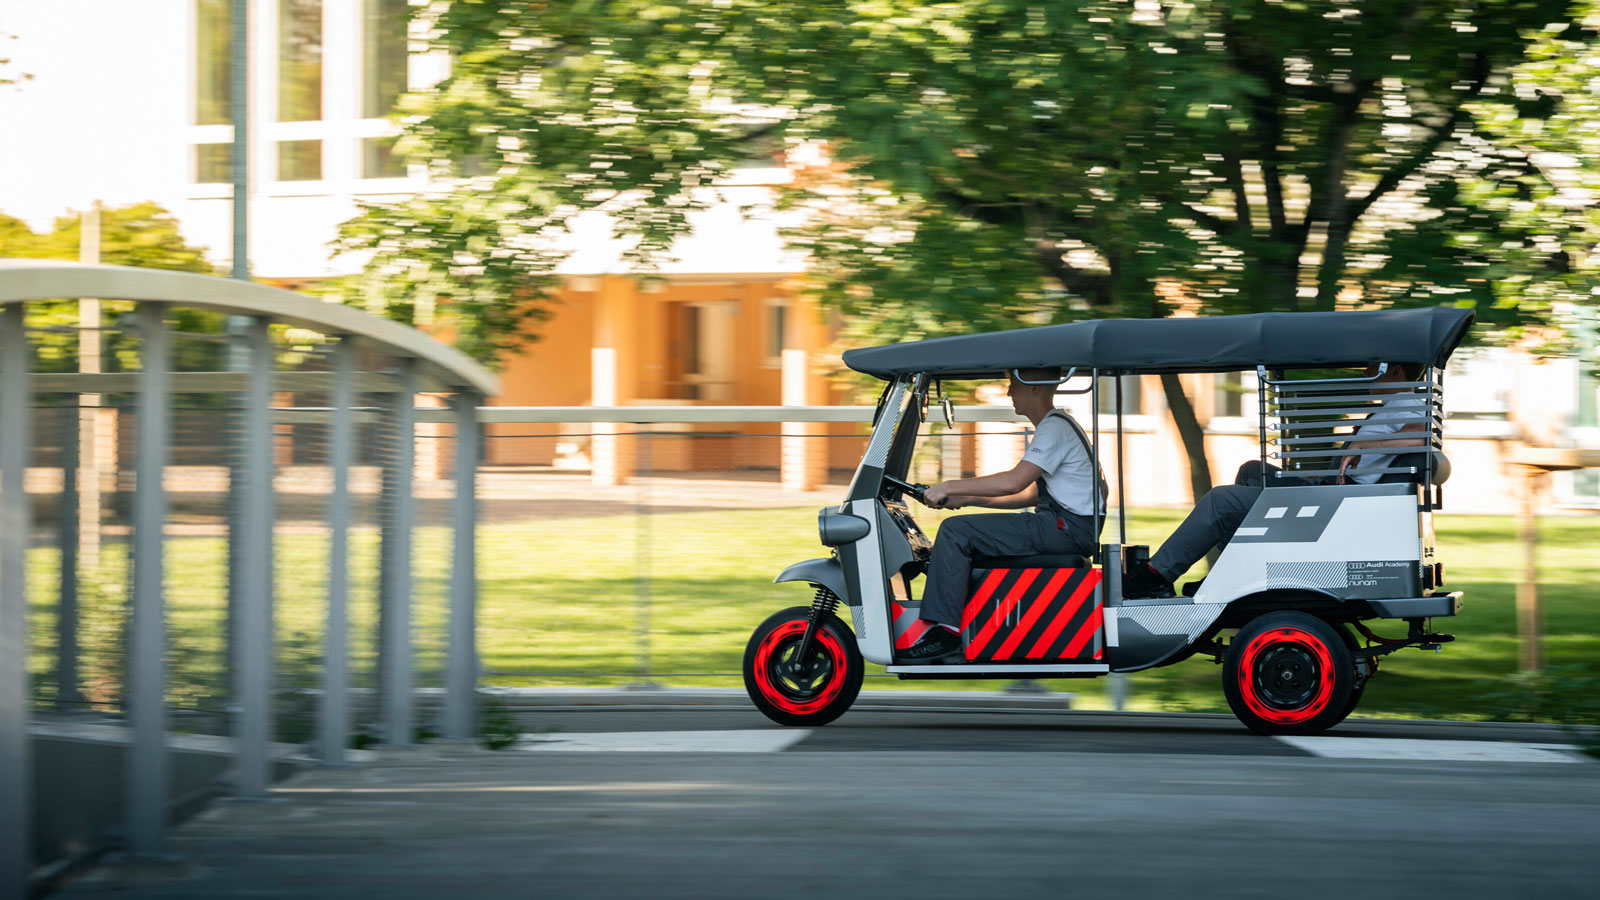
822, 606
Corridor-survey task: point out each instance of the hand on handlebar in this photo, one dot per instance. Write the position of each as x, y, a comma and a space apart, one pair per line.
937, 497
915, 490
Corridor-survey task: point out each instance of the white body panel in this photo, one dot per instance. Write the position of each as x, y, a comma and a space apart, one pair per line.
875, 634
1363, 529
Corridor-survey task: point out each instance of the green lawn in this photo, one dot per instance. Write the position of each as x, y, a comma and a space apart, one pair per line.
565, 596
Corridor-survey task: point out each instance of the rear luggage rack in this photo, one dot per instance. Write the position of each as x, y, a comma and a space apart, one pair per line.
1299, 418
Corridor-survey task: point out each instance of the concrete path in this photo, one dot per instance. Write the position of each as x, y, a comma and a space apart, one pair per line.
913, 804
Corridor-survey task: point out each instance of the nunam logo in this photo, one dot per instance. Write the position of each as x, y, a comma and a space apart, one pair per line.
1288, 516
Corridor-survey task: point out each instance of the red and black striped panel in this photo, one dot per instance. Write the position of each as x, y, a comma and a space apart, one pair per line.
1033, 615
908, 629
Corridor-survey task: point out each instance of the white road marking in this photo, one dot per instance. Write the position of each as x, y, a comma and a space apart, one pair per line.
1307, 512
735, 741
1454, 751
1276, 512
1251, 532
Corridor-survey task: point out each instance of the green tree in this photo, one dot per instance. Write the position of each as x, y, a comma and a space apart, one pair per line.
993, 163
142, 234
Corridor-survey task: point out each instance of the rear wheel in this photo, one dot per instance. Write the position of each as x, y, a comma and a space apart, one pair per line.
1288, 673
812, 691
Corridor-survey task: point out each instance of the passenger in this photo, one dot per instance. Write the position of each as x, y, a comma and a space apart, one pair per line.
1218, 514
1056, 474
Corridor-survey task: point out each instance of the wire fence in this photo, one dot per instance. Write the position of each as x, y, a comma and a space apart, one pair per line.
81, 481
644, 553
609, 553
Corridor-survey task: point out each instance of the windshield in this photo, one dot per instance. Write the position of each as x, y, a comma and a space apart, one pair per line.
869, 474
904, 444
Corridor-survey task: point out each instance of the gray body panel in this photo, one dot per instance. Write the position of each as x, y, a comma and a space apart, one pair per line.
826, 571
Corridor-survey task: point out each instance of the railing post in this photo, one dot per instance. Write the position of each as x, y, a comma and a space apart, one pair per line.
67, 694
147, 755
15, 772
253, 632
395, 604
461, 677
641, 578
334, 727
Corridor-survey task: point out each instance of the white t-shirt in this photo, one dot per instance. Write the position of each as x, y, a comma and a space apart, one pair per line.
1387, 420
1068, 469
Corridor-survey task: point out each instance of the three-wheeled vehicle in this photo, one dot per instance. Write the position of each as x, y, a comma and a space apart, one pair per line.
1284, 608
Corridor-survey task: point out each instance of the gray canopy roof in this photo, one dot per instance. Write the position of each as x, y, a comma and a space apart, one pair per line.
1189, 344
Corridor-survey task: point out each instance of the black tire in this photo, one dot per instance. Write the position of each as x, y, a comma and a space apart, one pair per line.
833, 679
1288, 673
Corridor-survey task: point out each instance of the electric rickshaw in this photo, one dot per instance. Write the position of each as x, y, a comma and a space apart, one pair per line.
1288, 608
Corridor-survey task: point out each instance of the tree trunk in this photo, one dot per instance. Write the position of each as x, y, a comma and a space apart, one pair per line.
1194, 444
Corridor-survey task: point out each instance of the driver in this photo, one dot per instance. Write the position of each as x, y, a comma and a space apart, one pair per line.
1056, 474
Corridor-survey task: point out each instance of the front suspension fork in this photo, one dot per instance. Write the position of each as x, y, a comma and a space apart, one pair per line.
822, 606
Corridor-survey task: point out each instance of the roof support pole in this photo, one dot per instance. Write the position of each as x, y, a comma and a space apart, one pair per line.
252, 690
15, 772
1094, 450
1122, 502
335, 724
147, 714
461, 678
395, 605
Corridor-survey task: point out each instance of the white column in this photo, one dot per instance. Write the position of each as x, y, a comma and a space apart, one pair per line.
606, 448
96, 429
804, 465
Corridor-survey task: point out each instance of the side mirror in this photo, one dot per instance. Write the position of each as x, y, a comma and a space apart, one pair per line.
949, 412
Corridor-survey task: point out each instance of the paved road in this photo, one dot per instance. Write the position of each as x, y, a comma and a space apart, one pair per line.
626, 803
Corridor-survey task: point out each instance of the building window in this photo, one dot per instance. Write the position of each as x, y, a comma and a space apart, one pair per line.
384, 77
691, 362
383, 56
299, 160
1132, 395
299, 60
777, 331
213, 163
299, 89
213, 91
213, 63
378, 159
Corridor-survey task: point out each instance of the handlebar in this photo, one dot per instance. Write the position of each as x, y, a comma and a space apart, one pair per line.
915, 490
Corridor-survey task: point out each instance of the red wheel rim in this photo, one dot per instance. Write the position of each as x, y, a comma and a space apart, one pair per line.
785, 699
1271, 670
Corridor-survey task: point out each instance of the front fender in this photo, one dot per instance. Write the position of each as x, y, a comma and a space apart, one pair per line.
827, 572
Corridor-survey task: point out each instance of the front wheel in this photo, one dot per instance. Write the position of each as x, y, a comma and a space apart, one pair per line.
813, 691
1288, 673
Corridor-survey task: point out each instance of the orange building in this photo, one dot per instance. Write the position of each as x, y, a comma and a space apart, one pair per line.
698, 340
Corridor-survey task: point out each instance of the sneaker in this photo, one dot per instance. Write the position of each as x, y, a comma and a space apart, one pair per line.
937, 644
1144, 581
